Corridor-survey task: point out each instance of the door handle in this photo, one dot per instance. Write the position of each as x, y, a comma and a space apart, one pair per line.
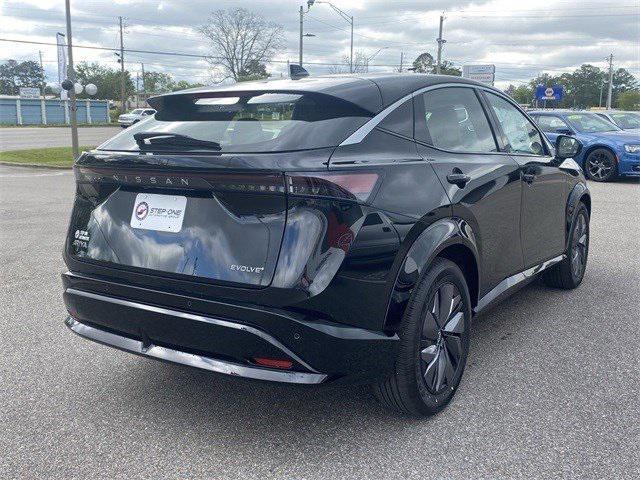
459, 179
528, 177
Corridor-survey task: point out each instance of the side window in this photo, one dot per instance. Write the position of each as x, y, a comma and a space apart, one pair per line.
551, 124
521, 135
455, 121
400, 120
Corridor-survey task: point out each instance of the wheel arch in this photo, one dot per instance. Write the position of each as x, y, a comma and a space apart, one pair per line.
597, 146
450, 238
579, 193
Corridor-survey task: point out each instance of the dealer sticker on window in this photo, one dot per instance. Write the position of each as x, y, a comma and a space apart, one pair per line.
163, 213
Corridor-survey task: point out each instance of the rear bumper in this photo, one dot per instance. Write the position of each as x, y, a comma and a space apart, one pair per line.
225, 338
192, 360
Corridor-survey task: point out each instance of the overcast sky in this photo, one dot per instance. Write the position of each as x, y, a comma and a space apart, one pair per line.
521, 38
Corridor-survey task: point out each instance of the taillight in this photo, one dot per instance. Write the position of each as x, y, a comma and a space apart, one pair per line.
246, 183
348, 186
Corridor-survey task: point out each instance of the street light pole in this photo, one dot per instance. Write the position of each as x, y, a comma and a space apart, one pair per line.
122, 79
349, 19
301, 33
440, 41
71, 75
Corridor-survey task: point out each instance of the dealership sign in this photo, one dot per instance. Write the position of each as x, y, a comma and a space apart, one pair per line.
549, 93
479, 73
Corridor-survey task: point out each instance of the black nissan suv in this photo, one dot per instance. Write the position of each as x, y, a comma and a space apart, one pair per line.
338, 228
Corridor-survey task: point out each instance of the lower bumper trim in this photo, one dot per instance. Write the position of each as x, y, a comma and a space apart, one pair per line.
184, 358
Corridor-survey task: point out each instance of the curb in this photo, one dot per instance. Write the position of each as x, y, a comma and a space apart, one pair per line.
35, 165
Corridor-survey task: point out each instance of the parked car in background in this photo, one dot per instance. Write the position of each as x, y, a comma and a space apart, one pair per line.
127, 119
624, 120
324, 229
608, 151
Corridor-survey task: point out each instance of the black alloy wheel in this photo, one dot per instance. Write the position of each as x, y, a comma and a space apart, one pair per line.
601, 165
569, 272
434, 343
579, 246
441, 342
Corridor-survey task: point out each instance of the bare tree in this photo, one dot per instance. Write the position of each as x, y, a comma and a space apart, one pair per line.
241, 42
359, 64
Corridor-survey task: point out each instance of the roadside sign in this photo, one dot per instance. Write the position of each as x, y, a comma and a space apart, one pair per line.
549, 93
474, 69
29, 92
479, 73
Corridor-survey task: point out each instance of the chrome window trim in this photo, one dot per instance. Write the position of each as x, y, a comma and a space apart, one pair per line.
364, 130
194, 317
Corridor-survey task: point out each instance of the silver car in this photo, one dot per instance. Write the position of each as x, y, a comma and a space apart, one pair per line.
127, 119
622, 119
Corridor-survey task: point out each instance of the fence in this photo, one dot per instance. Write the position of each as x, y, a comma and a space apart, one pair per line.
50, 111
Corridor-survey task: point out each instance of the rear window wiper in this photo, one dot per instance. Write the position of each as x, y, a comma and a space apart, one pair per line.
150, 140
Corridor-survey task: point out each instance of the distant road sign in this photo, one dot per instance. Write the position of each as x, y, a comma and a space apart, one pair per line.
475, 69
479, 73
549, 93
29, 92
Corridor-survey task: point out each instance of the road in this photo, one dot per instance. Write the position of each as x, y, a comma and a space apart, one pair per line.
551, 390
18, 138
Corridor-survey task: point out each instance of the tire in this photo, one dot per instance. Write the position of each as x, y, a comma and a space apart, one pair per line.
433, 349
601, 166
568, 274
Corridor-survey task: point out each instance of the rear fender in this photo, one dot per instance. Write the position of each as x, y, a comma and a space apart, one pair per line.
430, 242
579, 193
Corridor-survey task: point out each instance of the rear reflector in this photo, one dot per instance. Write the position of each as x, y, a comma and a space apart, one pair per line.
349, 186
273, 363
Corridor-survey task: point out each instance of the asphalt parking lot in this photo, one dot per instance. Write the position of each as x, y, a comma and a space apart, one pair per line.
551, 390
39, 137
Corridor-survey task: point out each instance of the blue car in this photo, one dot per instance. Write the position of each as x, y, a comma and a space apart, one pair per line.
608, 151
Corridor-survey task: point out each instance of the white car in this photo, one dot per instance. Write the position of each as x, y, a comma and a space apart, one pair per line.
127, 119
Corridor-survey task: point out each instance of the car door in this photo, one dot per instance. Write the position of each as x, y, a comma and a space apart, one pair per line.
544, 185
454, 135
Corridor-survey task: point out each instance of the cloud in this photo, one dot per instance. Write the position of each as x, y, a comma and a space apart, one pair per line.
522, 39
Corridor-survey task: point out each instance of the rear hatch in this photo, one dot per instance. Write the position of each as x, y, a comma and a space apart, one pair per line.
198, 191
218, 227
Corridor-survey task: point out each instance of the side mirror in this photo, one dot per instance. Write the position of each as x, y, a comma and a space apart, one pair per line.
567, 147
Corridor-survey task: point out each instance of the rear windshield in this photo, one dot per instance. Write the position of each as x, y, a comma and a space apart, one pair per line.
250, 122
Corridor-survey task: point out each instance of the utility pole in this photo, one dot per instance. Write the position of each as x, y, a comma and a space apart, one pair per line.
144, 85
610, 89
71, 75
122, 83
351, 55
43, 76
440, 41
401, 61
